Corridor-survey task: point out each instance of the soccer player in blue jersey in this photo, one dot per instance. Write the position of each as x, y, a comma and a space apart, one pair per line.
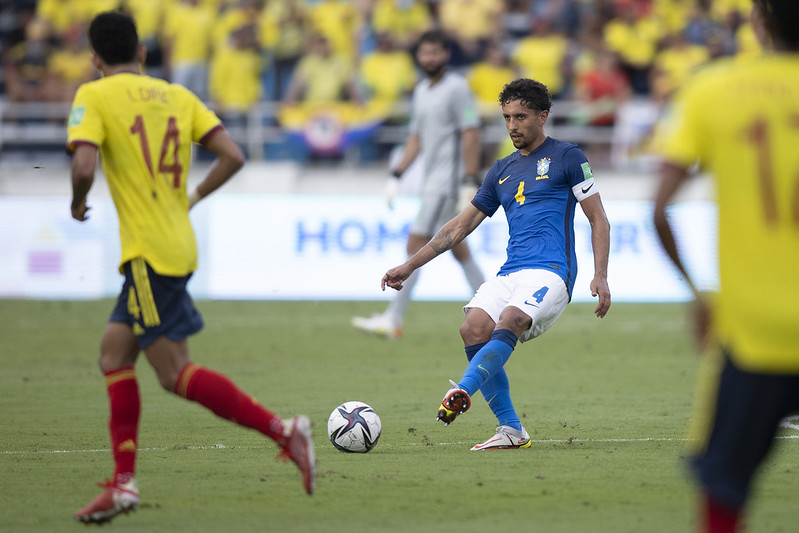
539, 187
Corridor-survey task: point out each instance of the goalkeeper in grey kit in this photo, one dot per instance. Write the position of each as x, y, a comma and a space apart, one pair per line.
445, 132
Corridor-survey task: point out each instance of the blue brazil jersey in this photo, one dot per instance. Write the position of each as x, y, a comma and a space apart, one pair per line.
536, 192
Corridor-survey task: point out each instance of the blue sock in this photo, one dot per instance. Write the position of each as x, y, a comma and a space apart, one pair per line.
472, 350
496, 391
488, 360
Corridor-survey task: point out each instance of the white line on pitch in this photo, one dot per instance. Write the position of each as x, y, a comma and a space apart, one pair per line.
222, 446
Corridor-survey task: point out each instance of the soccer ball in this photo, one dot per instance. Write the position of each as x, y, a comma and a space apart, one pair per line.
354, 427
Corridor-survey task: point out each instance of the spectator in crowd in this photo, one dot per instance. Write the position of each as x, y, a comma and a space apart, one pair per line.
673, 64
600, 89
403, 21
321, 76
633, 34
699, 24
284, 31
70, 66
149, 17
187, 44
235, 15
388, 74
470, 24
564, 15
25, 65
486, 79
746, 44
338, 21
235, 82
57, 15
672, 14
488, 76
542, 56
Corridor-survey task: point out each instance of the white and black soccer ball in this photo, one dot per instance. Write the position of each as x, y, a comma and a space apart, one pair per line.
354, 427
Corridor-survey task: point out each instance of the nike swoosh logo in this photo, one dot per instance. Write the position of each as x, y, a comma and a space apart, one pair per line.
503, 180
492, 441
529, 303
587, 189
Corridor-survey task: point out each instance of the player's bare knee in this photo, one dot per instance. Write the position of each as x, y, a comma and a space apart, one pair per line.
515, 321
473, 332
167, 380
108, 362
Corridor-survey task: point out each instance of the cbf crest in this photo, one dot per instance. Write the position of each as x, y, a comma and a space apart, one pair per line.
542, 167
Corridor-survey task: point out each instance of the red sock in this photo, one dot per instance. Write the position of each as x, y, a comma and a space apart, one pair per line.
219, 394
123, 422
720, 519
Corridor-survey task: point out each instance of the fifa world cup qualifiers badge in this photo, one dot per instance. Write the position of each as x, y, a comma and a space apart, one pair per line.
587, 173
76, 116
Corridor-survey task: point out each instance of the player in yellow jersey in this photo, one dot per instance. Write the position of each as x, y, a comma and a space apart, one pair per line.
741, 122
143, 129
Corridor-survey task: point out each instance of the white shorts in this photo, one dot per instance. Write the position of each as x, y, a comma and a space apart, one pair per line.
540, 294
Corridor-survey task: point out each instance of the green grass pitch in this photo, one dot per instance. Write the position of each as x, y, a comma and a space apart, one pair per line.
607, 403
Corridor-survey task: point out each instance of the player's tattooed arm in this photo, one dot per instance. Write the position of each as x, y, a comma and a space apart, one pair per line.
457, 229
442, 241
448, 236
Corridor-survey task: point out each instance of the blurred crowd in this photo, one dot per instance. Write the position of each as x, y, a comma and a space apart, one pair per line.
236, 53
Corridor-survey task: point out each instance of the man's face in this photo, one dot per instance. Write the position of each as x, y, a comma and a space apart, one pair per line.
432, 58
525, 126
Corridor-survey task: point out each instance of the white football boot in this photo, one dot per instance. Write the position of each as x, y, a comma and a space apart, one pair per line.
379, 324
505, 438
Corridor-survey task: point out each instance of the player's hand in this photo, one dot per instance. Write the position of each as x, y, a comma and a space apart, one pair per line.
465, 196
394, 277
391, 191
599, 287
702, 320
79, 210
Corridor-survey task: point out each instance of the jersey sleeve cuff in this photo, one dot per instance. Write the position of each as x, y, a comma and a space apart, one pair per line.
211, 133
70, 148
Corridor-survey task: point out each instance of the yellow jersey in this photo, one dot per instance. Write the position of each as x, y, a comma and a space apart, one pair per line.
234, 82
388, 76
189, 27
740, 120
144, 128
541, 58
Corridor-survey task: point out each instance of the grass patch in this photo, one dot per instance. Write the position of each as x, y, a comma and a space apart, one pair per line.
607, 403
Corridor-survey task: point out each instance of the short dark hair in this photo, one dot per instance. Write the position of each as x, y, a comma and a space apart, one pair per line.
435, 37
780, 18
530, 93
113, 37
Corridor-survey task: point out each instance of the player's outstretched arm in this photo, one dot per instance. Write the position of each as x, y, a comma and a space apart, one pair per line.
229, 159
672, 177
600, 243
452, 233
84, 163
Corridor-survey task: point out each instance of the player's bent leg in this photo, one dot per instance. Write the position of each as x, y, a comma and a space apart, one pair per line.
224, 398
168, 358
118, 347
476, 327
